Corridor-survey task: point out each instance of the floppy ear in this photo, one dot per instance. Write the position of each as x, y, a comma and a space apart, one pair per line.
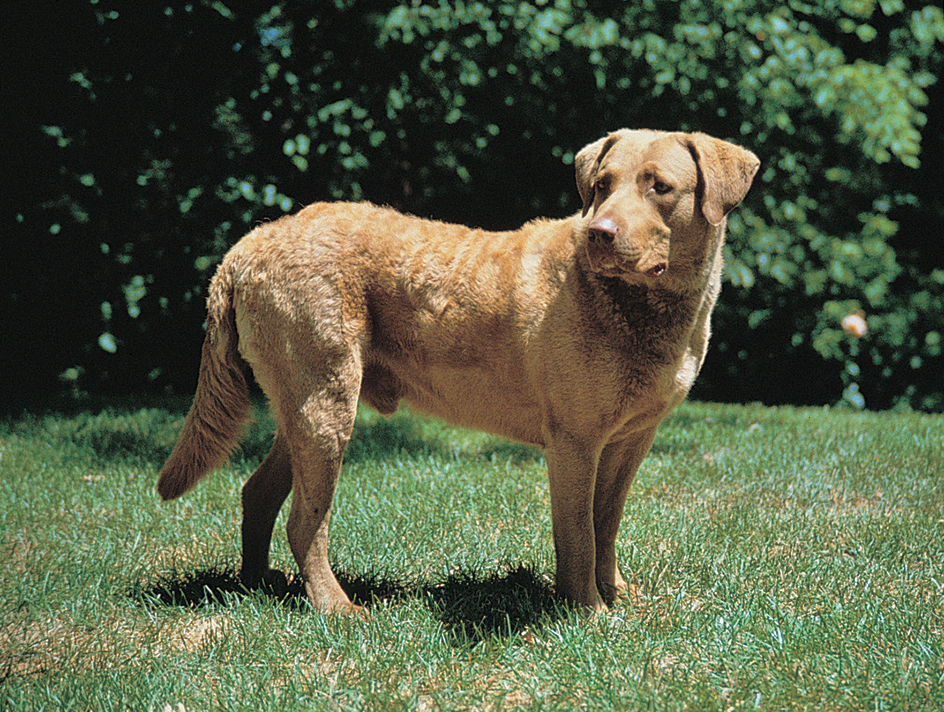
587, 164
725, 171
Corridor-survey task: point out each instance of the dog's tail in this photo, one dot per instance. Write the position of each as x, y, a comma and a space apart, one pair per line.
221, 404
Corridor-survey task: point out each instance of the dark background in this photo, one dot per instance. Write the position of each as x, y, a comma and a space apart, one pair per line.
140, 140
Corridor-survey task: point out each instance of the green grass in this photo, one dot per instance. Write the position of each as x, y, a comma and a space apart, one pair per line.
778, 558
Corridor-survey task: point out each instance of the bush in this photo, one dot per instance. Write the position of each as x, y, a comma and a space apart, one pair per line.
473, 112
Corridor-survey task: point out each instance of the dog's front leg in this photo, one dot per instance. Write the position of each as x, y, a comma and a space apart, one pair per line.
571, 466
618, 465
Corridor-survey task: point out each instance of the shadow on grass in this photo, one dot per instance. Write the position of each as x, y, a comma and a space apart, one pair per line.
402, 434
383, 438
148, 435
210, 587
471, 607
500, 605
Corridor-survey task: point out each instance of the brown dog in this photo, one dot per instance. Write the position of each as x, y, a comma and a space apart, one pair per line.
578, 335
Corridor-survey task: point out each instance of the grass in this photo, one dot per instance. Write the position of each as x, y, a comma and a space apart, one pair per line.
778, 559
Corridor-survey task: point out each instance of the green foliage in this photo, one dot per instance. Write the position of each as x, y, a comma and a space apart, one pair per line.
473, 111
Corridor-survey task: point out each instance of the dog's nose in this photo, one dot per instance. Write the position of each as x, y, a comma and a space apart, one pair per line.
603, 231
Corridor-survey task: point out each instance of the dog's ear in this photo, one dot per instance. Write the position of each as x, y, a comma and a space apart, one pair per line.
587, 164
725, 171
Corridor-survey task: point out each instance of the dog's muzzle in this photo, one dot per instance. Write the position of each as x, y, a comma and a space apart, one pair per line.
606, 259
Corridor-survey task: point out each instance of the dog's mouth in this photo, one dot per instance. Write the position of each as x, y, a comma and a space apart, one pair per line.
608, 270
608, 263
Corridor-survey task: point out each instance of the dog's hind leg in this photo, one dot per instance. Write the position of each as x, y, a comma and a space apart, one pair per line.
263, 496
317, 433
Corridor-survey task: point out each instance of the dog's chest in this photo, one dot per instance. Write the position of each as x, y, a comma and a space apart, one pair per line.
653, 350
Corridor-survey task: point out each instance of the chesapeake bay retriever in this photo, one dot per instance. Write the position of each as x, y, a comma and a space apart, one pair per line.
578, 335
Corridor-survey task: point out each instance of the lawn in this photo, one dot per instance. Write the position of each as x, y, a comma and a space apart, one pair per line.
779, 559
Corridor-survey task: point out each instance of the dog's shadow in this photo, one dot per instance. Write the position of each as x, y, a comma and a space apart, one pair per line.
471, 607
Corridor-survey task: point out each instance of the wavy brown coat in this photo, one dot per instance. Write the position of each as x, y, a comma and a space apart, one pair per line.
578, 335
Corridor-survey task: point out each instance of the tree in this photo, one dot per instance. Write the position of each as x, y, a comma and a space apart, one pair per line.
190, 122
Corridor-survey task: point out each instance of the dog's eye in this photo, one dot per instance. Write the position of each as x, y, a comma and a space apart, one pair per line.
602, 184
661, 188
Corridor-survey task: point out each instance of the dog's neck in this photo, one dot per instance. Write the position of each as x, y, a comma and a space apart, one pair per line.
636, 304
695, 265
657, 317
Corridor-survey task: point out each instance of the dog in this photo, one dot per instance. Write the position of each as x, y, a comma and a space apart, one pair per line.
578, 335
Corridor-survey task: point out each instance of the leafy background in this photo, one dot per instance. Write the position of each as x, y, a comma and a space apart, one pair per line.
141, 140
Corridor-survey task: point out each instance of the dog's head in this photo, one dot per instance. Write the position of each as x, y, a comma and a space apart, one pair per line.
648, 196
